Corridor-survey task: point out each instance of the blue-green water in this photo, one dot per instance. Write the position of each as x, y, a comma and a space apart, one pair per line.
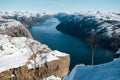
79, 51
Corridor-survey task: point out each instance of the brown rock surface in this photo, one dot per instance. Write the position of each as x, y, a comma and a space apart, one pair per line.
58, 67
13, 28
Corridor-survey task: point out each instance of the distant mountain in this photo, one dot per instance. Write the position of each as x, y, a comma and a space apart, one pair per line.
20, 55
27, 18
80, 25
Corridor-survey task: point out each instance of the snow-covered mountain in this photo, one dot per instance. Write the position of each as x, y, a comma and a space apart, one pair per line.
80, 25
21, 54
27, 18
97, 14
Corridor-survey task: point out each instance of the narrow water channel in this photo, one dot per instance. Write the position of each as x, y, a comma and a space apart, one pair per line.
79, 51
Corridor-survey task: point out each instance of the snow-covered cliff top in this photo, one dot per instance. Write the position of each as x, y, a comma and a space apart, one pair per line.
7, 23
17, 51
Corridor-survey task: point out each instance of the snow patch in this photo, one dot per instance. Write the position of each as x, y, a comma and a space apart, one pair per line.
52, 78
17, 51
107, 71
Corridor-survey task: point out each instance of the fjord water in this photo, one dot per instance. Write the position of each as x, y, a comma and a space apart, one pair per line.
80, 52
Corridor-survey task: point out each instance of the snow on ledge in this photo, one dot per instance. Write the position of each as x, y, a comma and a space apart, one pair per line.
58, 53
52, 78
47, 57
9, 23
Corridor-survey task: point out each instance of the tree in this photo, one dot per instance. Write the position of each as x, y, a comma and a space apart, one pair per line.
93, 41
115, 42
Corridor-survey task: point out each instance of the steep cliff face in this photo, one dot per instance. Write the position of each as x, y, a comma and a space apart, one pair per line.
23, 58
13, 28
81, 25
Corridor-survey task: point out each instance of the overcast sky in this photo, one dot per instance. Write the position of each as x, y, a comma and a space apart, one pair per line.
60, 5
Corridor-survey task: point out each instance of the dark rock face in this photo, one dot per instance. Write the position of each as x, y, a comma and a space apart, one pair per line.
80, 26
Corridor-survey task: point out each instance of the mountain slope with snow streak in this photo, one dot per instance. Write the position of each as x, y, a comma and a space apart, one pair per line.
81, 25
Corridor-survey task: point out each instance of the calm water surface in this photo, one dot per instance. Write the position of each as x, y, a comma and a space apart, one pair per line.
79, 51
